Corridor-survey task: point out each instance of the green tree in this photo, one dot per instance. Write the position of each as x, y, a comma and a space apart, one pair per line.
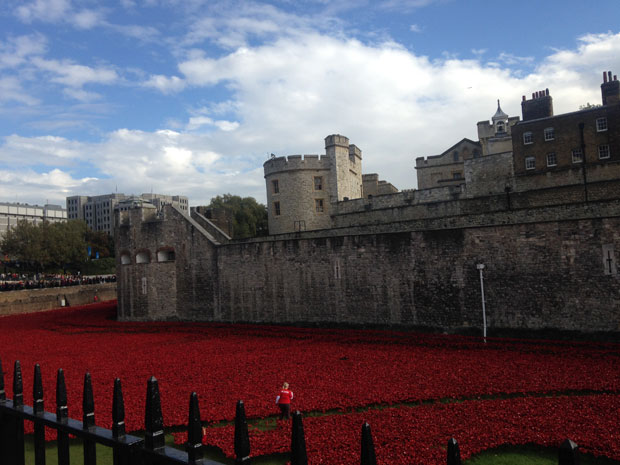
100, 241
24, 243
249, 218
47, 244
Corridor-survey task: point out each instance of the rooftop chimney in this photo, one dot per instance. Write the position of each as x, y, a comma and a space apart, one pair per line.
610, 89
540, 106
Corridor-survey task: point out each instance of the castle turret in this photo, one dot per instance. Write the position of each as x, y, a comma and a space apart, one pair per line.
610, 89
540, 106
346, 170
300, 190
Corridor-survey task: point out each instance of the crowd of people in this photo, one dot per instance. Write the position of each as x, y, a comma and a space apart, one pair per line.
17, 282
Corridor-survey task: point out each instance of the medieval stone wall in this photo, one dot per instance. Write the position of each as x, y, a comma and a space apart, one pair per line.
36, 300
537, 275
551, 266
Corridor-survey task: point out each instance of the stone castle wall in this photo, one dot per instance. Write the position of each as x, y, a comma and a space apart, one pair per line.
35, 300
537, 275
549, 266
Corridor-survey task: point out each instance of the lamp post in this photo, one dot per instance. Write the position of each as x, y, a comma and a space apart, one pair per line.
480, 267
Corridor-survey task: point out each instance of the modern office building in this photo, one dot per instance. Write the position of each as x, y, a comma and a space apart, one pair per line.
98, 210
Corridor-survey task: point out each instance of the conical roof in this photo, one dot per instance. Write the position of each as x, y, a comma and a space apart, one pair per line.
499, 114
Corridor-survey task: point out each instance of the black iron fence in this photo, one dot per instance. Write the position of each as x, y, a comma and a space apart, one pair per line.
150, 450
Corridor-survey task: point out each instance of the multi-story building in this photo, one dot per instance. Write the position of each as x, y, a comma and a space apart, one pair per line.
11, 213
159, 200
98, 211
581, 146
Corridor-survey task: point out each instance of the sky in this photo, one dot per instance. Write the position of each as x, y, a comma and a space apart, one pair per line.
190, 97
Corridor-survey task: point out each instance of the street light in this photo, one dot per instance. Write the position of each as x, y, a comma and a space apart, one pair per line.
480, 267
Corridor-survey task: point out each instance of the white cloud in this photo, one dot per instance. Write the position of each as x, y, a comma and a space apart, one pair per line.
509, 59
11, 90
43, 10
415, 28
34, 187
74, 75
81, 94
87, 19
43, 150
16, 50
143, 33
165, 84
196, 122
227, 126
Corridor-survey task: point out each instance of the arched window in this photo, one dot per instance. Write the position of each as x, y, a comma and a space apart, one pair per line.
143, 256
125, 258
165, 255
455, 155
501, 127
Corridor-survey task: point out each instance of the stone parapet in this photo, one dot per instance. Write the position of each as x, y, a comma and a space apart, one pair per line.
296, 162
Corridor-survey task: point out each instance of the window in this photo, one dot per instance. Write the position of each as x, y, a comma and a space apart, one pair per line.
601, 124
501, 127
577, 156
476, 153
455, 156
530, 163
318, 205
165, 256
143, 257
456, 175
527, 138
552, 159
603, 151
549, 134
125, 259
276, 186
318, 183
276, 208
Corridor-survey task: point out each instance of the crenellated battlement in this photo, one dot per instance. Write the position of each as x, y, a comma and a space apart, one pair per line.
296, 162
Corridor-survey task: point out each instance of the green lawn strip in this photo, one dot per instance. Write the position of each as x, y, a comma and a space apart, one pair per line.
269, 423
104, 454
529, 454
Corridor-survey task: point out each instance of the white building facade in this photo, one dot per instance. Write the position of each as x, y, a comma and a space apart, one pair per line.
11, 213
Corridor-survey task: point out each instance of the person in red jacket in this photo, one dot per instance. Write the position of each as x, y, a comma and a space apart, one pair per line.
283, 400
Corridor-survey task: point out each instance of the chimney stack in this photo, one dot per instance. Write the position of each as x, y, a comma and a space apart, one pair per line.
610, 89
540, 106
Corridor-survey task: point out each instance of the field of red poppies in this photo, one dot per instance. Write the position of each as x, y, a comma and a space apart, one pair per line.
415, 390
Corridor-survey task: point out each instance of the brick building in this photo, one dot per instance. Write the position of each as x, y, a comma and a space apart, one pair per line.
551, 150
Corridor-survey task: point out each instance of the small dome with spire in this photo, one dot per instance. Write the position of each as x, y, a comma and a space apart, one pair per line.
500, 119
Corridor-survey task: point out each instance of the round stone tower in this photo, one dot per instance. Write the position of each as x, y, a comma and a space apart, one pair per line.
300, 189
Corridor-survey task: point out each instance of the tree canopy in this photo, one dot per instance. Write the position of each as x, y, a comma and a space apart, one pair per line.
54, 245
249, 218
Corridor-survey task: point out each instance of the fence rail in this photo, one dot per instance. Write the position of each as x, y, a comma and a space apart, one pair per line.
150, 450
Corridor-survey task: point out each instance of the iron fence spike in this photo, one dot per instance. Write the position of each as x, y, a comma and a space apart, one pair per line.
37, 390
18, 385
